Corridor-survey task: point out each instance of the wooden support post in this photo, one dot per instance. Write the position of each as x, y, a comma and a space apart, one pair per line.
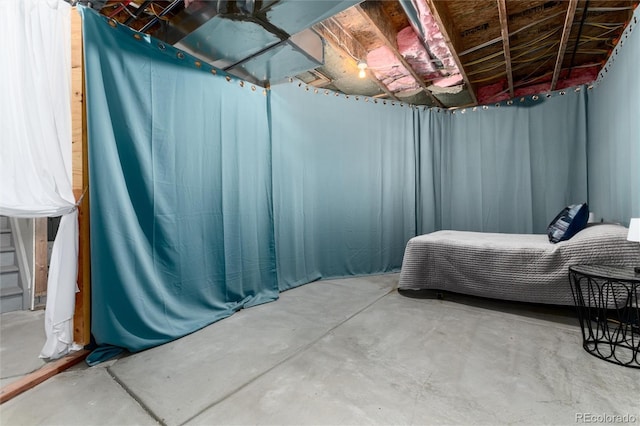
82, 316
41, 255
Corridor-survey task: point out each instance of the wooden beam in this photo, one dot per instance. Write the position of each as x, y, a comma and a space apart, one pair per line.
497, 39
446, 26
342, 40
566, 31
45, 372
80, 171
41, 259
504, 28
373, 14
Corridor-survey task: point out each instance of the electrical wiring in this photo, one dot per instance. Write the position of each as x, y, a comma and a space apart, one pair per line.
159, 16
540, 65
535, 41
484, 58
529, 59
487, 69
515, 60
123, 5
493, 77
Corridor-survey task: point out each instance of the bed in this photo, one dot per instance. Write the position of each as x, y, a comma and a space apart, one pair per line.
518, 267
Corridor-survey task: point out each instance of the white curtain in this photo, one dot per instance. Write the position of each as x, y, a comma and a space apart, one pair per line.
35, 143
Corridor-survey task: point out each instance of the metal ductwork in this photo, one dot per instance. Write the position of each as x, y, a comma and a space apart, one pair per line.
258, 41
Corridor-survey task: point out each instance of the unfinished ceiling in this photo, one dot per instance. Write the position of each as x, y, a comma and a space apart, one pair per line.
451, 54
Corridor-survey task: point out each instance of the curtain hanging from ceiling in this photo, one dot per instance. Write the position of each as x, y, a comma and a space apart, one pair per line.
344, 184
508, 169
431, 131
180, 171
614, 133
208, 196
35, 168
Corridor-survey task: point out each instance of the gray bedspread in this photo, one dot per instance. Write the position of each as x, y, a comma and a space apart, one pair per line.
519, 267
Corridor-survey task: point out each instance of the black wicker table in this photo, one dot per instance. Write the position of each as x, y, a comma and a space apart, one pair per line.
608, 307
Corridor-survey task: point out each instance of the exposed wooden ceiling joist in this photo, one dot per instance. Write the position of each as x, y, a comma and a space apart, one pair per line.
509, 47
374, 16
451, 39
568, 23
342, 41
504, 28
511, 34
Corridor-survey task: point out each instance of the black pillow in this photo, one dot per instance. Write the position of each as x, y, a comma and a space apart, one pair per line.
571, 220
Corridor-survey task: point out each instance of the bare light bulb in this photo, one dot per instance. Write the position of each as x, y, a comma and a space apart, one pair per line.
362, 65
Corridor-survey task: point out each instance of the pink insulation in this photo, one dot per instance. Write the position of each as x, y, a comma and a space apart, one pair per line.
388, 69
578, 76
435, 39
416, 55
491, 93
533, 89
500, 92
452, 80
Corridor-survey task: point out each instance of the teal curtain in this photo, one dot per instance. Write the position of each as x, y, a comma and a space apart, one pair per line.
208, 195
558, 155
180, 172
432, 129
506, 168
614, 135
343, 184
485, 177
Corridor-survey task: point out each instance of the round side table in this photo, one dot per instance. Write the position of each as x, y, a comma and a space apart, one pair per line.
607, 303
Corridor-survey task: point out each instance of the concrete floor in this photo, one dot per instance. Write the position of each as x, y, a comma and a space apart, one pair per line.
21, 340
350, 351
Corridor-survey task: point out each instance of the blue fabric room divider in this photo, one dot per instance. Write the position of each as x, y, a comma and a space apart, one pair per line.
180, 172
614, 134
208, 196
431, 132
343, 184
506, 168
513, 168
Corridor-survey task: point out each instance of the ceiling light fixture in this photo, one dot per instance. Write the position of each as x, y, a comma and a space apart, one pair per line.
362, 65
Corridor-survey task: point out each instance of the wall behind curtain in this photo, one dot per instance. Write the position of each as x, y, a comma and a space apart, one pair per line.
180, 169
507, 169
614, 135
343, 184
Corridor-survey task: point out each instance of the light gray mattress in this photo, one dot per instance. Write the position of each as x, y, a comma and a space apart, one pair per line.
519, 267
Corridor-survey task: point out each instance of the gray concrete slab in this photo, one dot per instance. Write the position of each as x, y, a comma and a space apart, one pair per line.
350, 351
21, 340
180, 379
404, 361
81, 396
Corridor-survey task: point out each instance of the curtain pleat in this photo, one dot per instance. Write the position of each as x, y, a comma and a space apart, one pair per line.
181, 229
614, 134
511, 169
344, 185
